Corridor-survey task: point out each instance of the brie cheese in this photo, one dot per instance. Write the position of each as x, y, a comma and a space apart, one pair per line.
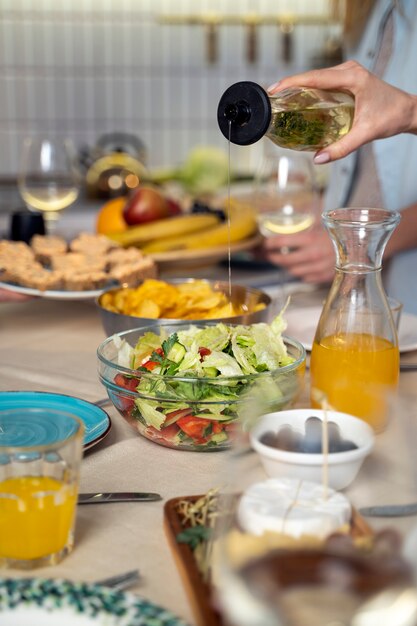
293, 507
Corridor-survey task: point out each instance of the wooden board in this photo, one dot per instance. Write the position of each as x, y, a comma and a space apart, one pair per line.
198, 591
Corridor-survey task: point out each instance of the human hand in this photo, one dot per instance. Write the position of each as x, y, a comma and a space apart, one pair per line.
11, 296
310, 254
381, 110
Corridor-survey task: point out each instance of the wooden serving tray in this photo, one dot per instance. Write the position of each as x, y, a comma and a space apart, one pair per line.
199, 592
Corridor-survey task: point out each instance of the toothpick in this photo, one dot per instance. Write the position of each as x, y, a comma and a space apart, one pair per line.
325, 448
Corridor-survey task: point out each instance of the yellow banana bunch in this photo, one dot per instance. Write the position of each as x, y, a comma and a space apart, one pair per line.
170, 227
242, 225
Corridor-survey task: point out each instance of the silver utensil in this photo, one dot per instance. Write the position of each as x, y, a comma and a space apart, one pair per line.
389, 510
408, 367
120, 582
120, 496
102, 402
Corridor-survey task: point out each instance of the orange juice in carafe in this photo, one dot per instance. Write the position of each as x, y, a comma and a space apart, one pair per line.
355, 359
356, 370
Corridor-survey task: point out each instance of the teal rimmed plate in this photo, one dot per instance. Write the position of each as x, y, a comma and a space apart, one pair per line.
43, 602
96, 421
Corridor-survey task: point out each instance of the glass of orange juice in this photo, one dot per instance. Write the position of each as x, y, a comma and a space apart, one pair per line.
40, 457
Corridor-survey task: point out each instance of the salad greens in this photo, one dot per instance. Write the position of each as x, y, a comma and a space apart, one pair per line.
189, 384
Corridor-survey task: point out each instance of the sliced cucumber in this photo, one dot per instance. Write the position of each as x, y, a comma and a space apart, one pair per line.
218, 437
210, 372
177, 353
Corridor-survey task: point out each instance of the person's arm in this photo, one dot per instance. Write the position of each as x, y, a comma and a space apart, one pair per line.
11, 296
312, 258
404, 236
381, 110
308, 255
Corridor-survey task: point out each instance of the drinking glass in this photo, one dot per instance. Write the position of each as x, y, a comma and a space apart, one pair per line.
40, 457
364, 575
286, 194
49, 178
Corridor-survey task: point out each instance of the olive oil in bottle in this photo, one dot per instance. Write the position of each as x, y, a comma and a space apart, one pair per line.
300, 118
309, 119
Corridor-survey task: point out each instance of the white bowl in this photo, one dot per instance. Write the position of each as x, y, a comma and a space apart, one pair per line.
342, 466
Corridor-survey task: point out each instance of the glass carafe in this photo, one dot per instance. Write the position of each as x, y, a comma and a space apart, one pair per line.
298, 118
355, 356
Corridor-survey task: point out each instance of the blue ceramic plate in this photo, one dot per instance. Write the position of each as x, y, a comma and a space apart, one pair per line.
41, 602
96, 421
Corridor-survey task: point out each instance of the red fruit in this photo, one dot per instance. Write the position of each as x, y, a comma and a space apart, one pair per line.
194, 427
145, 205
174, 207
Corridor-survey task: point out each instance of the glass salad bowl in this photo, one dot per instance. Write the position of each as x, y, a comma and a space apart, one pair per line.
187, 385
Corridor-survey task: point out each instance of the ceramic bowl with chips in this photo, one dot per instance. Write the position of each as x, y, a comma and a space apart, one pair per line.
200, 300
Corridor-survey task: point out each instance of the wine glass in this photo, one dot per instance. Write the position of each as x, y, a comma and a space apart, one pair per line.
287, 197
364, 575
49, 178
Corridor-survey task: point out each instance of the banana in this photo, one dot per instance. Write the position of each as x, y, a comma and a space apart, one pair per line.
165, 228
242, 225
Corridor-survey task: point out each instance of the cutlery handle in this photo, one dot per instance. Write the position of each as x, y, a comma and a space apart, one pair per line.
389, 510
128, 496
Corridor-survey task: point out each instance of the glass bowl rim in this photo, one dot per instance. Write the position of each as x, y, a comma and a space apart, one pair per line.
224, 379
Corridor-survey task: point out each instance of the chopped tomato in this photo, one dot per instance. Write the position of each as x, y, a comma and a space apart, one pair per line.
174, 416
125, 403
150, 365
159, 351
169, 432
194, 427
201, 440
203, 352
217, 427
126, 382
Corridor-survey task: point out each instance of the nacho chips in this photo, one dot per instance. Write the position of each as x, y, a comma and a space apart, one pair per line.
156, 299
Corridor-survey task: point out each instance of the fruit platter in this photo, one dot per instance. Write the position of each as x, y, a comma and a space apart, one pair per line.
162, 227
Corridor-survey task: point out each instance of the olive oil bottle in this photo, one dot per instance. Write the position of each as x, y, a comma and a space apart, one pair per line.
300, 118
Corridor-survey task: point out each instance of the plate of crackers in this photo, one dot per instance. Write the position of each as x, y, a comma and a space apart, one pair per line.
83, 268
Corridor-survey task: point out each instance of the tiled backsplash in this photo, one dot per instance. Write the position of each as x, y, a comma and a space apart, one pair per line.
82, 68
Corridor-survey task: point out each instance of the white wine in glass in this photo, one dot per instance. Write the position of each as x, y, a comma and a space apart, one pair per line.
49, 178
287, 197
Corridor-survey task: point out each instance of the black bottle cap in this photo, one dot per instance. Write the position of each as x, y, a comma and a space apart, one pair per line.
25, 224
245, 111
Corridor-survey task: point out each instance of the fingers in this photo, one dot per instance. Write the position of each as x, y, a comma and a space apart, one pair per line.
338, 77
301, 241
351, 142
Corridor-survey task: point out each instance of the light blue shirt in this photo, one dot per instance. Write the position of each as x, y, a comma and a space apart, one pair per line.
395, 157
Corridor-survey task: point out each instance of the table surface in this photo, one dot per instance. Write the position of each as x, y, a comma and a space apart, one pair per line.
51, 346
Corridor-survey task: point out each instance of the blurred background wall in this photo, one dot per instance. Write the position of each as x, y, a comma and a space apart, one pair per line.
81, 68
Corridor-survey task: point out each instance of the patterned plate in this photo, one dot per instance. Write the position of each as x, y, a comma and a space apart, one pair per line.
42, 602
96, 421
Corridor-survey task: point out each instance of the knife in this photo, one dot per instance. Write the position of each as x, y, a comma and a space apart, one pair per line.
390, 510
117, 496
